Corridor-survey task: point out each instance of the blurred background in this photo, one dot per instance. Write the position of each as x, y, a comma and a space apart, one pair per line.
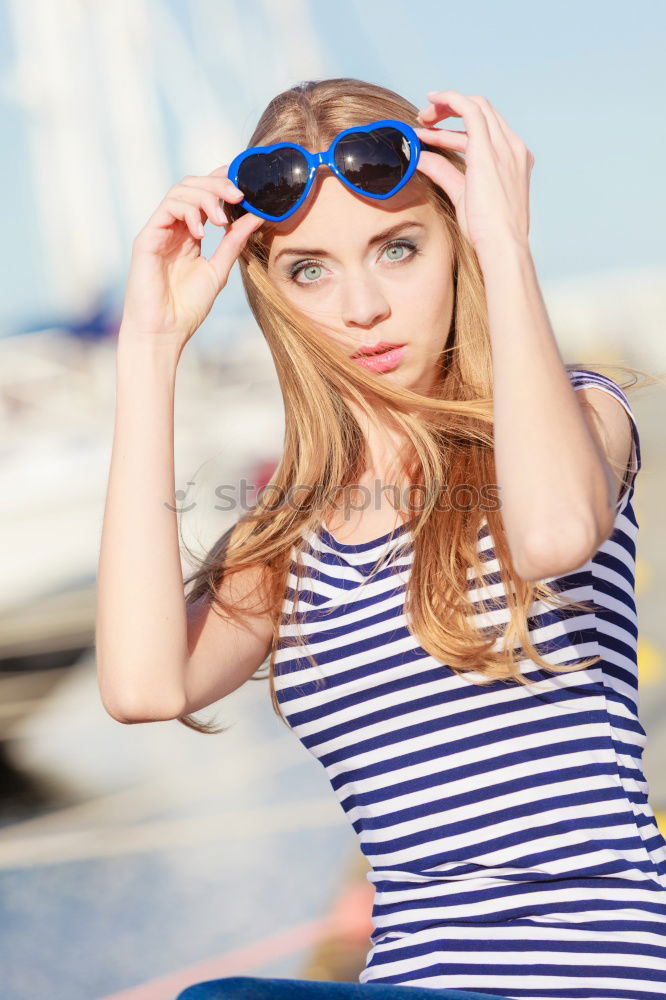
135, 860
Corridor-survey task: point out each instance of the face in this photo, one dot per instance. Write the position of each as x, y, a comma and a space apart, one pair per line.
332, 262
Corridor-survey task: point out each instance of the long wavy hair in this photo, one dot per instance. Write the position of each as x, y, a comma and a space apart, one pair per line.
449, 434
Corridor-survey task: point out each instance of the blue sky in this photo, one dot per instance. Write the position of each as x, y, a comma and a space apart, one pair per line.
581, 82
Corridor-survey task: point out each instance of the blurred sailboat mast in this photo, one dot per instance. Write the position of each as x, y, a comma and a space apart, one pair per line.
120, 100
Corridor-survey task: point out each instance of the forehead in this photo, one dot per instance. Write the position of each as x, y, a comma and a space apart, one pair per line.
332, 212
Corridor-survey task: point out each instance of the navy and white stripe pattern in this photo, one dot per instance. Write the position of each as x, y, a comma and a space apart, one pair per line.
512, 844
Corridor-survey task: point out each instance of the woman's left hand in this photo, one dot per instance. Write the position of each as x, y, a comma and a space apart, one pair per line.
491, 198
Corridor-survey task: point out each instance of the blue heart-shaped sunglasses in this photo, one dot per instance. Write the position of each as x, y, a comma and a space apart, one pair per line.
374, 160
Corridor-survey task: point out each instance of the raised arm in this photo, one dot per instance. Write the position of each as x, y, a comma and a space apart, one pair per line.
147, 661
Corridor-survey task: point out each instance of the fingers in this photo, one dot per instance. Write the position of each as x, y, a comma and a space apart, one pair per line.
447, 138
195, 200
232, 244
207, 193
218, 182
478, 113
443, 173
514, 140
495, 127
448, 103
504, 138
445, 104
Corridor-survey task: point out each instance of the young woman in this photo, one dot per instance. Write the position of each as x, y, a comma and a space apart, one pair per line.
441, 569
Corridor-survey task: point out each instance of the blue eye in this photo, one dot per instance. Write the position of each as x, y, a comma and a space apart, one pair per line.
304, 268
309, 265
396, 246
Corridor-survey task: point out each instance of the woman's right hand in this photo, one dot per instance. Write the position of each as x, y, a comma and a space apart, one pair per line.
171, 287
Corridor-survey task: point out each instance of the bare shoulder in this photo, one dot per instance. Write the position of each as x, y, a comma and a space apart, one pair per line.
610, 425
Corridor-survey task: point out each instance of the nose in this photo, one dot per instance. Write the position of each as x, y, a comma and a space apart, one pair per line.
363, 303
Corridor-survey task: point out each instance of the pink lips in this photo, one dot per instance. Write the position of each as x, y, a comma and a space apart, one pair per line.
383, 362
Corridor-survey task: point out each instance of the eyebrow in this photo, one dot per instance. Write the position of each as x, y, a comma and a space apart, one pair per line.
386, 234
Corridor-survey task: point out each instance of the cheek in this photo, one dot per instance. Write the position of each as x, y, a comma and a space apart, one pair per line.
310, 306
324, 313
430, 289
429, 304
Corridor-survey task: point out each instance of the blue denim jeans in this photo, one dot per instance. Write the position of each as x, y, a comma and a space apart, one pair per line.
259, 988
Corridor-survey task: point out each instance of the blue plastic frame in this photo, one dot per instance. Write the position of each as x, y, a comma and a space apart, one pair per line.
327, 158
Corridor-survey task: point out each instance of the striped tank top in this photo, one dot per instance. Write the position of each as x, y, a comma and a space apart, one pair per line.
510, 839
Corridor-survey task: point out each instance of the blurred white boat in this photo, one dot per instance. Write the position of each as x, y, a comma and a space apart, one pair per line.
57, 404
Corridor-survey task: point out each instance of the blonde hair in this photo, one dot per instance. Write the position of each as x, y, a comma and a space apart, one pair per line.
450, 434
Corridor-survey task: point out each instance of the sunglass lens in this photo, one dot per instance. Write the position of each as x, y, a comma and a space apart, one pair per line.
272, 182
375, 161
